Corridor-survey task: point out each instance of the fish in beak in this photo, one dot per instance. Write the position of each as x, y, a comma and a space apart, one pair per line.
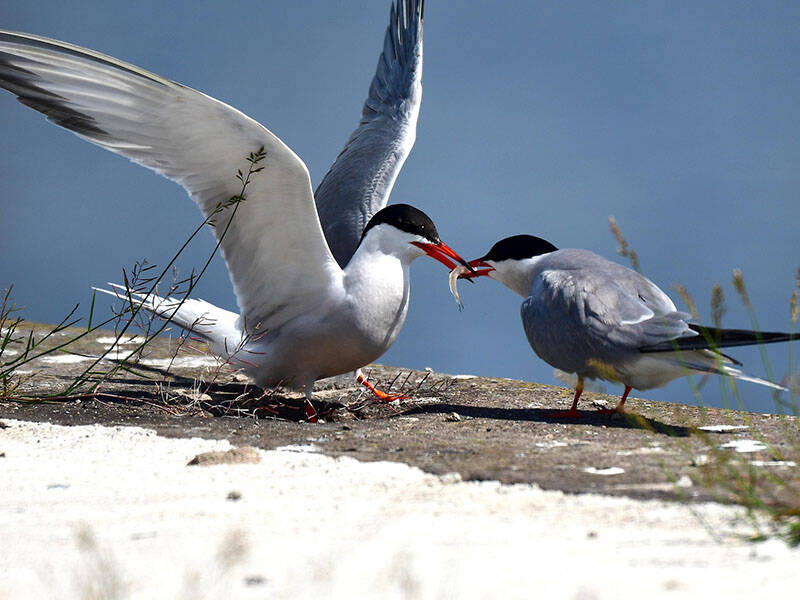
445, 255
469, 273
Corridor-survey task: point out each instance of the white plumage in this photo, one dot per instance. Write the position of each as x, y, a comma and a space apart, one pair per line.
302, 315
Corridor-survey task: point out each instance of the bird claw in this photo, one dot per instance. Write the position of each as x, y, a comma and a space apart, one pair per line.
384, 397
381, 395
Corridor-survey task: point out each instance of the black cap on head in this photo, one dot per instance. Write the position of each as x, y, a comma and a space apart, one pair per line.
518, 247
405, 218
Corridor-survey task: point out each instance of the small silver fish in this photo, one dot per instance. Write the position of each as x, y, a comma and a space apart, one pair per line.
460, 269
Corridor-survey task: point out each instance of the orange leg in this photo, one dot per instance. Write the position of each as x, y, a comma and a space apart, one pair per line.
382, 396
572, 413
618, 409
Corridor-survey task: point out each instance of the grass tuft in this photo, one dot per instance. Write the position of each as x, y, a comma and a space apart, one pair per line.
142, 279
762, 492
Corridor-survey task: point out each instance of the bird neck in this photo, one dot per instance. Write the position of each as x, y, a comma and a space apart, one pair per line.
518, 275
379, 269
377, 287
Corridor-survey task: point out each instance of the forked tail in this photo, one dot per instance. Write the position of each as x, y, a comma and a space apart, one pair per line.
710, 361
215, 325
742, 376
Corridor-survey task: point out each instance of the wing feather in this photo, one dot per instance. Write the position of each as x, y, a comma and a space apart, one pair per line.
360, 181
584, 308
275, 250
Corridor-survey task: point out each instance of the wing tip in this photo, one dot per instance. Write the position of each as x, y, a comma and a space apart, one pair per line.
712, 338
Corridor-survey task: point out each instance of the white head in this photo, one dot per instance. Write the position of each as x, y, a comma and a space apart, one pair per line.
511, 260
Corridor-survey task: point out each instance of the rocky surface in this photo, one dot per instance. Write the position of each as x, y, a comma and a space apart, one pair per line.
480, 428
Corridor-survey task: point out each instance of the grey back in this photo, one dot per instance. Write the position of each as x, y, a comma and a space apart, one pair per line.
586, 313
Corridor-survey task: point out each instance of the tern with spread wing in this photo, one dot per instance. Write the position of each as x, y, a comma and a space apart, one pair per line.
322, 284
586, 315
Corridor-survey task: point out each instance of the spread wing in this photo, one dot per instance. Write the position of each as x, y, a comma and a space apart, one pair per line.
274, 247
360, 181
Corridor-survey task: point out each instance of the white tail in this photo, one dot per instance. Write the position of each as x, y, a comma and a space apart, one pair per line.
745, 377
215, 325
708, 361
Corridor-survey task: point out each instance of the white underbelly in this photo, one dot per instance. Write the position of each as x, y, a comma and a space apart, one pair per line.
307, 350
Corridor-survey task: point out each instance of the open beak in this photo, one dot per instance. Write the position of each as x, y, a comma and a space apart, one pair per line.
445, 255
484, 268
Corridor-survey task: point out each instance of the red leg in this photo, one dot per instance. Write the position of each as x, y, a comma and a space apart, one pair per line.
311, 412
382, 396
572, 413
618, 409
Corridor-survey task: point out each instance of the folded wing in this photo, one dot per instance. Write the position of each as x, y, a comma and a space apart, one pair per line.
602, 312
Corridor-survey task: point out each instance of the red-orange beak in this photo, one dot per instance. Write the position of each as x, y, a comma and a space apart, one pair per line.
483, 270
444, 254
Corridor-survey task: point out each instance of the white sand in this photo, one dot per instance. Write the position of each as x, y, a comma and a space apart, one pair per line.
87, 507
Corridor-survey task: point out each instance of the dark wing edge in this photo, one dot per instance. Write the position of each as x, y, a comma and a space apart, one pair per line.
711, 338
361, 178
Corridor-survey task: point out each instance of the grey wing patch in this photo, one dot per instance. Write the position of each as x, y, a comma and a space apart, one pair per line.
554, 321
527, 313
360, 181
632, 313
612, 304
618, 307
22, 83
581, 321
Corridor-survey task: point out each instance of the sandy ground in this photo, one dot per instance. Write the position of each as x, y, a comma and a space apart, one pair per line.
115, 512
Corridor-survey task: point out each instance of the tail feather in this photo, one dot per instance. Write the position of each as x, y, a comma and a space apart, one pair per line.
210, 322
745, 377
713, 338
709, 362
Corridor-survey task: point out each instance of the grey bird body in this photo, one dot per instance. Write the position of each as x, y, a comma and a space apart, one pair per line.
587, 315
590, 316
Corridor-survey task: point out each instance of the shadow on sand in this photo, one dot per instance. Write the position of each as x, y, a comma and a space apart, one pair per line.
626, 420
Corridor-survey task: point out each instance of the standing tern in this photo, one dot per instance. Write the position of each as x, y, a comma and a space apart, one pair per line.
586, 315
322, 284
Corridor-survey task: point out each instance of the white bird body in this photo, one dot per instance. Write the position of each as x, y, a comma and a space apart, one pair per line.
355, 320
317, 297
586, 315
